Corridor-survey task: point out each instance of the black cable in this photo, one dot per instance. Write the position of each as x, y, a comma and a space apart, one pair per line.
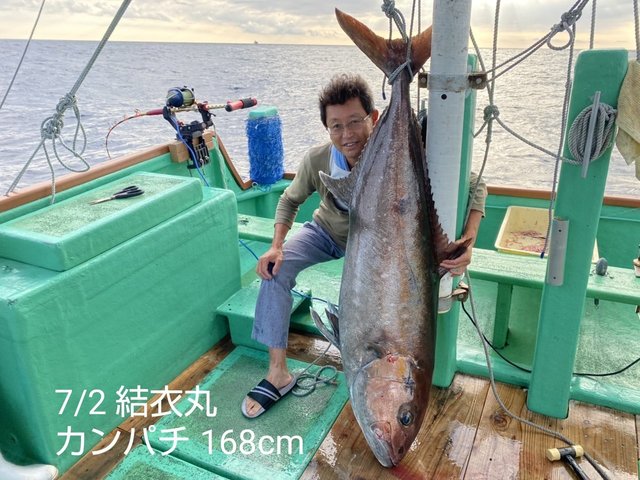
617, 372
491, 344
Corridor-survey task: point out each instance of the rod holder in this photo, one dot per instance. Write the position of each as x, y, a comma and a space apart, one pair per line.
557, 252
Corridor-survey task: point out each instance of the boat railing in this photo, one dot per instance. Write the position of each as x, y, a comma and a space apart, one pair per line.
42, 190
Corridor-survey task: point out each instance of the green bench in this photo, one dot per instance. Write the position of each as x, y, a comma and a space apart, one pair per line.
259, 228
240, 307
507, 270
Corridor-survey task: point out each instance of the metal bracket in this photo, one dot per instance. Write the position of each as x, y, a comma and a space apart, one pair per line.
593, 119
461, 293
456, 83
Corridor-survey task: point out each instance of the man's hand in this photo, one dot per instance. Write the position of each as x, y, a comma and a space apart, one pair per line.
458, 265
274, 257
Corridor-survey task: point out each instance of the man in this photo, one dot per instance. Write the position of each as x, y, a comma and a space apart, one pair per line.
347, 111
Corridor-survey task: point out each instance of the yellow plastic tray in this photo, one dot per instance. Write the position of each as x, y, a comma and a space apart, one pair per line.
523, 232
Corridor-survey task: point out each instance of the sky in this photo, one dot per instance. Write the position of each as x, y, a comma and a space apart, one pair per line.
296, 21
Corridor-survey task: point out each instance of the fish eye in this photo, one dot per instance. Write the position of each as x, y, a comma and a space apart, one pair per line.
406, 418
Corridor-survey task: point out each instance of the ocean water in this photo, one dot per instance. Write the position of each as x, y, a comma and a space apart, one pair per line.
130, 77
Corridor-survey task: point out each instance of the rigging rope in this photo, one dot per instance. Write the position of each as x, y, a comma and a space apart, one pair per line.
491, 110
593, 23
563, 126
606, 122
24, 52
51, 127
636, 18
395, 15
568, 20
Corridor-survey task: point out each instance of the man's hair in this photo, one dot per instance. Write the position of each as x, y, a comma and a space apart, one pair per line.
342, 88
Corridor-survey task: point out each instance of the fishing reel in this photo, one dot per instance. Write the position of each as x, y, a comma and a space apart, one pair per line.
191, 134
178, 97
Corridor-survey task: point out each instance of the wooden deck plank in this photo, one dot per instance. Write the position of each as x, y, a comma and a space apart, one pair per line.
609, 436
440, 451
506, 448
308, 348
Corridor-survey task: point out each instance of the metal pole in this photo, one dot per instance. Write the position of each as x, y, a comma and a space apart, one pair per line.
447, 87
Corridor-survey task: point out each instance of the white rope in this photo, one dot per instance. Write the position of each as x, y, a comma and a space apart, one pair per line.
492, 113
504, 408
24, 52
396, 16
51, 127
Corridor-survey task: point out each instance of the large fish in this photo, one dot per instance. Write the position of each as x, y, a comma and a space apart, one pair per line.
389, 293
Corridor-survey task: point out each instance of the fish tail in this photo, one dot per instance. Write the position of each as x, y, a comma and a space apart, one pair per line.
387, 55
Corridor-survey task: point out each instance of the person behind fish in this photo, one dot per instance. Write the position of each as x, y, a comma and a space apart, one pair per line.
348, 113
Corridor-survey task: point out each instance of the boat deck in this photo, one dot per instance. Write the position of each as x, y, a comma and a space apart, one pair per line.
465, 434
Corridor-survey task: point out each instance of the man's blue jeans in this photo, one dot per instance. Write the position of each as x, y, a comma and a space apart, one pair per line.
309, 246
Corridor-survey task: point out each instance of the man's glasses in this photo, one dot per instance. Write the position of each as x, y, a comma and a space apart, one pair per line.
353, 125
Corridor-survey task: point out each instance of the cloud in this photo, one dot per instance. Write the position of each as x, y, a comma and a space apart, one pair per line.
290, 21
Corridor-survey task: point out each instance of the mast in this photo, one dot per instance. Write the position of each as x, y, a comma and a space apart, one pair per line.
448, 81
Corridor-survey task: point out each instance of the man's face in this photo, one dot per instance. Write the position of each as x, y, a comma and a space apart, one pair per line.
349, 128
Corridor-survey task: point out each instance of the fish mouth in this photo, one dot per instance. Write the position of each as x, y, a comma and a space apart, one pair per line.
379, 434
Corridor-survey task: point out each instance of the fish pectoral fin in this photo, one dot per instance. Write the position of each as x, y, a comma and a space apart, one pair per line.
341, 188
332, 315
326, 333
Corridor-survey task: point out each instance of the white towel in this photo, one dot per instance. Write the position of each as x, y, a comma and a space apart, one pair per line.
628, 139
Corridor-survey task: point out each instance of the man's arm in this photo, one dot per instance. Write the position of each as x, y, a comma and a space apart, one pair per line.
457, 265
478, 196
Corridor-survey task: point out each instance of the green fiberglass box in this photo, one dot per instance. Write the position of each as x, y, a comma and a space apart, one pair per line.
65, 234
130, 318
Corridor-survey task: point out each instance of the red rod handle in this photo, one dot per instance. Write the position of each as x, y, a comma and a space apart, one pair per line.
238, 104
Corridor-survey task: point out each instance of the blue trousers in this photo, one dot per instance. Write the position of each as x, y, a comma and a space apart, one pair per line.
308, 246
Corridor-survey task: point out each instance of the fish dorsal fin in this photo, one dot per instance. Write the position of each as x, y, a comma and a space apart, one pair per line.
386, 54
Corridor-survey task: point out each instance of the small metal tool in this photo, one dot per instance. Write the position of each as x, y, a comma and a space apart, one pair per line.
128, 192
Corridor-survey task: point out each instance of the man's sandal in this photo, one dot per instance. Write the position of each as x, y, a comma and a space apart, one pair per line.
266, 394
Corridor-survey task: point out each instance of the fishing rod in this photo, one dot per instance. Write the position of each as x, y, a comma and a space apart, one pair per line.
181, 100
